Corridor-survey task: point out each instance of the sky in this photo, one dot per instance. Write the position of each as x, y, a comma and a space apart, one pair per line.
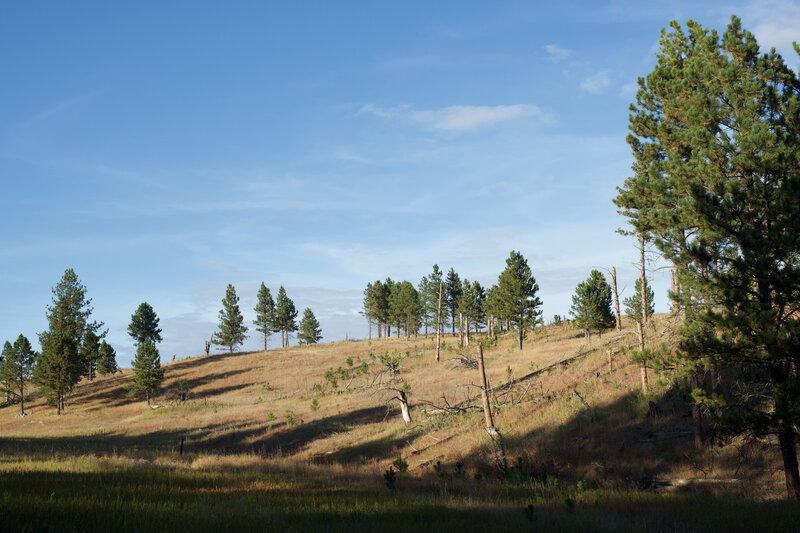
166, 149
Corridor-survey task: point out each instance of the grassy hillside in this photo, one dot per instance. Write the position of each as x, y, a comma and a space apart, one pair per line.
269, 436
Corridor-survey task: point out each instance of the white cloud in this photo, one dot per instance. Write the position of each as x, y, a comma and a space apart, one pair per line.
556, 53
775, 23
596, 83
461, 118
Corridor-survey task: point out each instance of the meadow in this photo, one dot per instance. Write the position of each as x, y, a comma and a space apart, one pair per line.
304, 438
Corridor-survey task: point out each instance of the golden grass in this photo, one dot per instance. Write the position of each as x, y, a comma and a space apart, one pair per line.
252, 408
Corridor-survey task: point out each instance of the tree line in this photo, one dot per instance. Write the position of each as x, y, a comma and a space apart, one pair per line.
440, 301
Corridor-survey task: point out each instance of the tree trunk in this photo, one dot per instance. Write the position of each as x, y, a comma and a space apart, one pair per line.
697, 415
22, 398
786, 433
644, 284
466, 330
147, 395
520, 332
610, 361
788, 442
460, 329
439, 323
616, 297
676, 290
497, 439
404, 407
265, 341
640, 333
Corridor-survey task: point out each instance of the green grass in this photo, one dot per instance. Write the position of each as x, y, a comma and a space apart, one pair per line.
97, 494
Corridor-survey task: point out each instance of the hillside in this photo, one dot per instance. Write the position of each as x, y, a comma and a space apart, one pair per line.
275, 412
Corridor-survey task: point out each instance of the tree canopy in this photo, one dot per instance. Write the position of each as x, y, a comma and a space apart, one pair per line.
591, 304
60, 365
309, 331
144, 324
147, 371
715, 134
231, 331
265, 321
515, 297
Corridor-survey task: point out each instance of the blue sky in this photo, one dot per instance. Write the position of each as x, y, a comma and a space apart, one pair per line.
166, 149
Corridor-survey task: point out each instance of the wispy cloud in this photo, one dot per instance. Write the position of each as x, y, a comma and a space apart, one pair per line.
462, 118
596, 83
556, 53
775, 23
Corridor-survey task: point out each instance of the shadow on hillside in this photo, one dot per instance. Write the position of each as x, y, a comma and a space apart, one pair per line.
196, 361
267, 438
617, 443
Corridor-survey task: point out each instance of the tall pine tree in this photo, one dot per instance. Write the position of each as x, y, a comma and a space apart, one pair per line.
716, 128
516, 297
60, 365
265, 313
309, 332
17, 368
285, 314
591, 304
231, 331
147, 371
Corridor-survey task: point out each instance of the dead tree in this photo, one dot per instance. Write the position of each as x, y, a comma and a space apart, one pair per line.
616, 297
439, 324
497, 439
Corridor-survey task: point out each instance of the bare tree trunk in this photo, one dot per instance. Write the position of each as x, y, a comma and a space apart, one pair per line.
521, 332
460, 329
439, 324
497, 439
22, 398
640, 333
369, 322
616, 297
466, 330
404, 407
644, 283
610, 361
676, 290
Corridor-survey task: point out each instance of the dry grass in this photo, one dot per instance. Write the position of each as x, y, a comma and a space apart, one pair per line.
254, 412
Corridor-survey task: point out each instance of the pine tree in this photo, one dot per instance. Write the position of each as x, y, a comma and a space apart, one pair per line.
265, 313
90, 353
17, 368
715, 126
107, 359
429, 297
144, 325
633, 304
7, 354
232, 331
309, 332
285, 313
516, 295
452, 286
147, 371
591, 304
60, 365
405, 308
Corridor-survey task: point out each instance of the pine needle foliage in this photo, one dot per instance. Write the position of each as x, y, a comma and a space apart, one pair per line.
309, 331
715, 133
515, 296
231, 331
633, 304
147, 371
591, 304
265, 321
